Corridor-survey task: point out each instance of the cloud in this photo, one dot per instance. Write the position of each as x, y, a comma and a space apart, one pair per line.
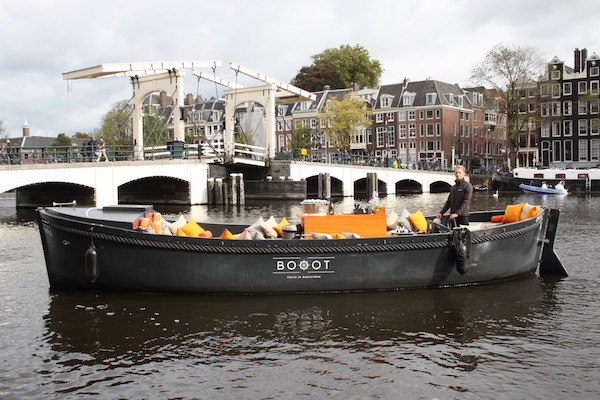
439, 39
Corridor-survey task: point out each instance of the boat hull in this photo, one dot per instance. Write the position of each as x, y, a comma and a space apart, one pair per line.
94, 255
530, 189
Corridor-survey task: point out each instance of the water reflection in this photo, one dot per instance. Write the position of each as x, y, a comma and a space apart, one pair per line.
135, 329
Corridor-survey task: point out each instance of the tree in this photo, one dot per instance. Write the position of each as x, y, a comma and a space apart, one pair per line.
343, 118
116, 125
63, 149
301, 139
155, 130
351, 64
315, 77
510, 70
81, 135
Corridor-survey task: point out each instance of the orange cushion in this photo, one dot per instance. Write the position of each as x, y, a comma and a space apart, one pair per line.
418, 221
226, 235
337, 236
279, 227
180, 232
192, 228
533, 212
497, 218
513, 213
205, 234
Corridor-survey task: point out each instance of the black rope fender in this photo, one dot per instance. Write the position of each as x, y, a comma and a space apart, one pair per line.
284, 247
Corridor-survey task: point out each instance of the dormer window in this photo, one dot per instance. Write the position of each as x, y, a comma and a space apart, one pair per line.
449, 98
408, 99
386, 101
430, 98
458, 100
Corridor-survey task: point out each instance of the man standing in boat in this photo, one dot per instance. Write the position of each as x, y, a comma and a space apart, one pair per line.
459, 199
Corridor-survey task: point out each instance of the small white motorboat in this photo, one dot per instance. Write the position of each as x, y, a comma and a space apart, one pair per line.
559, 189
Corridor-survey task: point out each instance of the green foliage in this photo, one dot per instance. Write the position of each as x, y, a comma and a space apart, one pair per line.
155, 131
116, 125
352, 64
62, 140
343, 118
314, 78
301, 139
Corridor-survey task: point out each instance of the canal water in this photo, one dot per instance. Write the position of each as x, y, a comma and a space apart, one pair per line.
531, 338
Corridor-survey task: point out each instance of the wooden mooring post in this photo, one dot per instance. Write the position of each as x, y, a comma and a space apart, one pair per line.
238, 195
324, 186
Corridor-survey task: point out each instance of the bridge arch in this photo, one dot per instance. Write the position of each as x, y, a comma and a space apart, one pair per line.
312, 186
361, 191
45, 193
155, 190
439, 187
408, 186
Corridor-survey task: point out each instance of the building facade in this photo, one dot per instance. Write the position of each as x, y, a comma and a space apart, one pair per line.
569, 115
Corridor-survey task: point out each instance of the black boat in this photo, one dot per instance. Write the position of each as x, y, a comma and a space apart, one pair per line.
97, 249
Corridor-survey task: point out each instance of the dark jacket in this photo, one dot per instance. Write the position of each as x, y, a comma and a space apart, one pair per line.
459, 199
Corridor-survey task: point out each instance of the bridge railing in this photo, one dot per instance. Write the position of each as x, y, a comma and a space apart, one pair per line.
71, 154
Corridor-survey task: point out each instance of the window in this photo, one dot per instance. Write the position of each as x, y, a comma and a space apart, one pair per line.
582, 107
412, 115
545, 129
408, 99
449, 98
556, 108
544, 90
313, 123
380, 137
556, 90
430, 98
568, 128
594, 87
555, 128
401, 115
279, 126
379, 117
429, 114
412, 130
555, 74
594, 71
421, 130
594, 107
402, 131
421, 115
531, 108
594, 149
458, 100
567, 88
544, 110
390, 116
594, 126
386, 101
438, 114
567, 108
438, 129
391, 136
430, 129
583, 149
568, 150
304, 105
583, 127
556, 146
582, 87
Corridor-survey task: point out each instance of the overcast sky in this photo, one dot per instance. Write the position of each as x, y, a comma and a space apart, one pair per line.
417, 39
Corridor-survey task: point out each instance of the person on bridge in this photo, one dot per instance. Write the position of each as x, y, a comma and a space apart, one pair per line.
459, 199
101, 150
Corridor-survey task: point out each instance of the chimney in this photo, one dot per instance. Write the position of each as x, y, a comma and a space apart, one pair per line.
355, 86
577, 66
190, 99
583, 59
25, 129
163, 99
